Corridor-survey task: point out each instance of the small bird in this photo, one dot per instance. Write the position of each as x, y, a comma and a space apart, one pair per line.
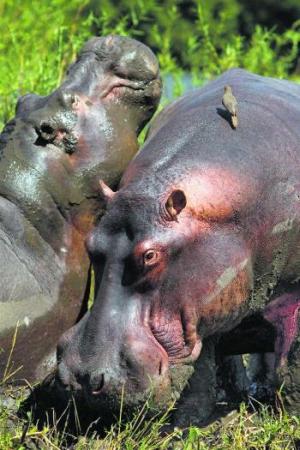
230, 103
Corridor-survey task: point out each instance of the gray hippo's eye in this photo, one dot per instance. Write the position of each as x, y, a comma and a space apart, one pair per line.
150, 257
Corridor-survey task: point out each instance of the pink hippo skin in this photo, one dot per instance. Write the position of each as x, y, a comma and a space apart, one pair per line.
202, 236
283, 314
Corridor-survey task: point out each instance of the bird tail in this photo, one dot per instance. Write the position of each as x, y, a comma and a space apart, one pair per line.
234, 121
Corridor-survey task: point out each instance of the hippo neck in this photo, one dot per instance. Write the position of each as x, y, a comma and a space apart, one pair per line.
54, 225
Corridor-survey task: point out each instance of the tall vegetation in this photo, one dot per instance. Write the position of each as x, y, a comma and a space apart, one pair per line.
195, 37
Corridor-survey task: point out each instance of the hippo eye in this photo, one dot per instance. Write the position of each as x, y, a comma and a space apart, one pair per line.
150, 257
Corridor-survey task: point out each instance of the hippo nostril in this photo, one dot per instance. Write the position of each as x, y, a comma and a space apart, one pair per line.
62, 376
45, 134
97, 387
60, 382
160, 367
47, 129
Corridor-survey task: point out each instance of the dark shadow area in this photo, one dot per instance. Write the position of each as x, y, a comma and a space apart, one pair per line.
225, 115
253, 335
85, 301
71, 416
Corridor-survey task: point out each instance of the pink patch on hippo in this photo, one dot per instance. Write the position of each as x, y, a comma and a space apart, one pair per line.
282, 313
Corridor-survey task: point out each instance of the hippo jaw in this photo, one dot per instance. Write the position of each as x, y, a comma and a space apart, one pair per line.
154, 366
154, 377
177, 336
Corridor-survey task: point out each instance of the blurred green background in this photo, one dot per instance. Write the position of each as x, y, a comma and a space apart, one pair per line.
194, 40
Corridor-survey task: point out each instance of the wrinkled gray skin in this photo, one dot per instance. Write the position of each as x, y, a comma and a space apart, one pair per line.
203, 232
52, 155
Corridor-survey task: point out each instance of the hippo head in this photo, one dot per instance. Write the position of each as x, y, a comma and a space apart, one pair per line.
165, 276
86, 128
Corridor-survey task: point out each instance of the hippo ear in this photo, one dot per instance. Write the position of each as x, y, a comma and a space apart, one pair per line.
175, 203
28, 103
106, 192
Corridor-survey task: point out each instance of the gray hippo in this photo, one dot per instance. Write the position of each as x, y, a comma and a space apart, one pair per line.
51, 157
203, 233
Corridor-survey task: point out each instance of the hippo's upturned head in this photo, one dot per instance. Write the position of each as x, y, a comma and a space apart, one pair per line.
87, 128
164, 275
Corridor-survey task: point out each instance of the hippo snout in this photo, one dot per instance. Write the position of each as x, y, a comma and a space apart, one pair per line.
69, 378
130, 362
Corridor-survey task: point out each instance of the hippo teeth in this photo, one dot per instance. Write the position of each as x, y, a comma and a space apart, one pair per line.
97, 389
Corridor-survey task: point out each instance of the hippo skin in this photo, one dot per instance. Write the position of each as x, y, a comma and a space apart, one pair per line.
203, 233
51, 157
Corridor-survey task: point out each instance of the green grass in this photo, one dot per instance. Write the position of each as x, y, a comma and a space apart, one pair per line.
240, 430
254, 426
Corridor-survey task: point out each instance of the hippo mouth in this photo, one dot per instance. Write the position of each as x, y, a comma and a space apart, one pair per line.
116, 86
154, 359
177, 338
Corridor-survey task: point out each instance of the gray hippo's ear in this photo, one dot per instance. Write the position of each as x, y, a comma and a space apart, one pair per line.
175, 203
28, 103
